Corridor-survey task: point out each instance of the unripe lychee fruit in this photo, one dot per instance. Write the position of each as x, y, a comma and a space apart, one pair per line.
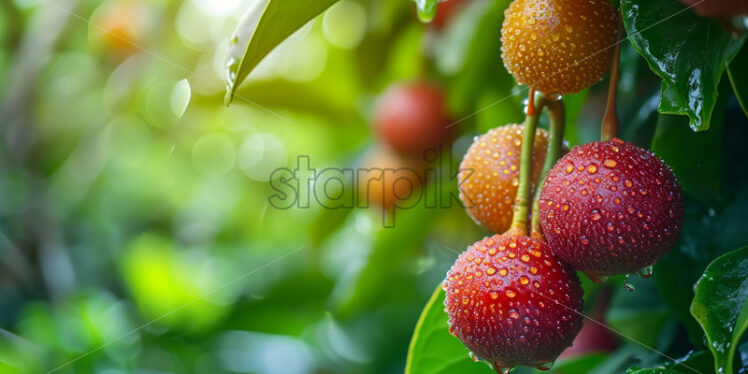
610, 208
558, 46
489, 174
511, 303
412, 117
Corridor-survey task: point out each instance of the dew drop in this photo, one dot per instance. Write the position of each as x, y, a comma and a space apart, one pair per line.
596, 215
646, 272
555, 96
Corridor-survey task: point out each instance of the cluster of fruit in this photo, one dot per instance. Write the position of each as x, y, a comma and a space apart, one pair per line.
605, 208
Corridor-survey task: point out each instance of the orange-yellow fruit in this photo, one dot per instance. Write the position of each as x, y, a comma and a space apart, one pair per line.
384, 178
489, 174
121, 26
558, 46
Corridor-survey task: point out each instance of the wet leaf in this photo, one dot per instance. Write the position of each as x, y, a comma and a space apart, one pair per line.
263, 27
738, 73
433, 350
720, 306
688, 52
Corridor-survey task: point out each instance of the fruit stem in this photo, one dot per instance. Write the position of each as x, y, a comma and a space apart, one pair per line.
557, 113
522, 202
609, 128
531, 102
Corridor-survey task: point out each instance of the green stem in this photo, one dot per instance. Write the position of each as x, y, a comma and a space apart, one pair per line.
557, 113
610, 123
522, 202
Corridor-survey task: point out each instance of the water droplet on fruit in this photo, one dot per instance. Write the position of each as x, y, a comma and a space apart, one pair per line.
646, 272
555, 96
510, 294
610, 163
473, 356
596, 215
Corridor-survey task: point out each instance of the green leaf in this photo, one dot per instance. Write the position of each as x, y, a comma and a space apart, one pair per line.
263, 27
699, 170
688, 52
738, 73
652, 371
720, 306
433, 350
426, 9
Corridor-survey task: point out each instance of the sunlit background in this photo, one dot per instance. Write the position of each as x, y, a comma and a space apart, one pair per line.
135, 230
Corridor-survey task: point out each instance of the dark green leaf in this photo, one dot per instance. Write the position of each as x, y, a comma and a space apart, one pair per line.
688, 52
699, 170
433, 350
720, 306
738, 73
652, 371
262, 28
640, 315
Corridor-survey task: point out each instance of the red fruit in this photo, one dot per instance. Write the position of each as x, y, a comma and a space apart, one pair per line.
444, 12
412, 118
490, 171
718, 8
610, 208
558, 46
511, 303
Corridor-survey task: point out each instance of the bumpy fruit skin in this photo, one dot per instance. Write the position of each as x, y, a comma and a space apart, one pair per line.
489, 174
558, 46
511, 303
718, 8
610, 208
412, 117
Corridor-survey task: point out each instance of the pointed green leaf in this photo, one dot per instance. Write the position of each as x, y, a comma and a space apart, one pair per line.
738, 73
688, 52
433, 350
263, 27
720, 306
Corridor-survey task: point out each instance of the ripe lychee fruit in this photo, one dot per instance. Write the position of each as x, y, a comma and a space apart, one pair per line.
610, 208
412, 118
558, 46
489, 174
511, 303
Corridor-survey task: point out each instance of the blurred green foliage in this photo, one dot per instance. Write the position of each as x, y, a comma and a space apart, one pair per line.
135, 230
